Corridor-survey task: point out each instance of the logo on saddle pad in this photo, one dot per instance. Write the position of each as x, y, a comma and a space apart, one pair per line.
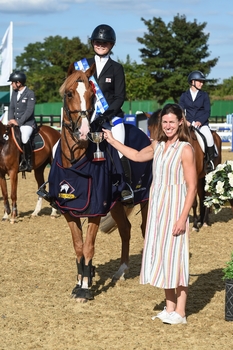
66, 190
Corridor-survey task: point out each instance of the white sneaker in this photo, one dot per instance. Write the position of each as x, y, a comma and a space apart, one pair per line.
174, 318
161, 315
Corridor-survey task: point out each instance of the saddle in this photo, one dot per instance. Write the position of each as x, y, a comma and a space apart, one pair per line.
37, 140
202, 141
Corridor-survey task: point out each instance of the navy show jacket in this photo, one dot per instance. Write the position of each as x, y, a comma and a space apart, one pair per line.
197, 110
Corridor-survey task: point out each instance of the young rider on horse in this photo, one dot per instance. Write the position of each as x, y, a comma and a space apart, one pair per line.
196, 104
110, 78
21, 113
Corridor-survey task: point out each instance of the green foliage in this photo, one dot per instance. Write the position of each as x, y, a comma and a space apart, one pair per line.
171, 52
228, 270
46, 64
139, 82
225, 90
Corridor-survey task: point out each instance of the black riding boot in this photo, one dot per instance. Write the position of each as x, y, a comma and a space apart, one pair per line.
26, 162
23, 162
28, 147
127, 195
210, 159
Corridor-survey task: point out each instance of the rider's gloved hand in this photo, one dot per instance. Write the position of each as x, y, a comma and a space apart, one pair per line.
100, 120
106, 116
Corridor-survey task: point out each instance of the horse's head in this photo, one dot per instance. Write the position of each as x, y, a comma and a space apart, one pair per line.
77, 93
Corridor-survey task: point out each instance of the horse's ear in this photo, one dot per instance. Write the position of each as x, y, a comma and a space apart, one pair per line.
91, 70
71, 69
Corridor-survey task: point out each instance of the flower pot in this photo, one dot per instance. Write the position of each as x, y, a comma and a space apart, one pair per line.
229, 300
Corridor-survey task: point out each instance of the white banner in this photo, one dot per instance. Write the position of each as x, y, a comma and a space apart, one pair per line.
6, 53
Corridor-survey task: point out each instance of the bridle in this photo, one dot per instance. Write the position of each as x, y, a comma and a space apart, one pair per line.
72, 127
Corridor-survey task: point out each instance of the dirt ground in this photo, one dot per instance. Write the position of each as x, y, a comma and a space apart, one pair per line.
38, 272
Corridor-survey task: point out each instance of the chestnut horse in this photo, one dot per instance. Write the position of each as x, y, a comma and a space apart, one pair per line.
80, 192
10, 152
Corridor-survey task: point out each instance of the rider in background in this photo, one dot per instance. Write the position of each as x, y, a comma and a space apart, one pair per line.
21, 113
111, 80
196, 104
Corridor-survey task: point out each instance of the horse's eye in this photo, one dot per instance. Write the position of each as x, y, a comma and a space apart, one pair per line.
69, 94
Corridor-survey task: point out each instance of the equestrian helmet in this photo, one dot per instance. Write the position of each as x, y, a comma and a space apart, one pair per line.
104, 32
196, 75
18, 76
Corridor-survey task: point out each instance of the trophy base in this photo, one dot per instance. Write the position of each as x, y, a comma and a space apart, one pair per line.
98, 157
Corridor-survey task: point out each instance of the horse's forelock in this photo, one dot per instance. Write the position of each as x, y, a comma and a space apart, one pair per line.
71, 80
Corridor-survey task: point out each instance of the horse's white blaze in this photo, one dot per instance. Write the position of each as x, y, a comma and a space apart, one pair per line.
81, 89
84, 128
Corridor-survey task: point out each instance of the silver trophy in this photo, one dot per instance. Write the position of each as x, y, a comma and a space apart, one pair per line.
97, 137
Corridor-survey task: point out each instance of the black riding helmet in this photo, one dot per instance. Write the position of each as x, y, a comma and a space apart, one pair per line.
18, 76
196, 75
104, 32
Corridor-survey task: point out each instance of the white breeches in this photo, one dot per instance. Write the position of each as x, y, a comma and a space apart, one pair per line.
118, 132
205, 130
26, 132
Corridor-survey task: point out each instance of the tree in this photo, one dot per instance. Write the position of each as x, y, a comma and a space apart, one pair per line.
139, 82
171, 52
46, 64
224, 91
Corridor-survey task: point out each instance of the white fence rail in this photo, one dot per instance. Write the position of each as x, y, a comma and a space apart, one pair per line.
224, 130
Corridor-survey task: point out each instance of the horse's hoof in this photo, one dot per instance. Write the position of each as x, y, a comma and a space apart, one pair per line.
120, 274
82, 294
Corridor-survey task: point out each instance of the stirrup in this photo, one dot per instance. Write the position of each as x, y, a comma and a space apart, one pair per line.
127, 196
23, 166
45, 195
209, 166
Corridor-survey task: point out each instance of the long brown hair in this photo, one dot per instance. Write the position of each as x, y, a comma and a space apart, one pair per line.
183, 131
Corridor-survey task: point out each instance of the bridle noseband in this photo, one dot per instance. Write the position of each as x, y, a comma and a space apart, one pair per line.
72, 126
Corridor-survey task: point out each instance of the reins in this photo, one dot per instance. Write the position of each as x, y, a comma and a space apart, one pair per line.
72, 128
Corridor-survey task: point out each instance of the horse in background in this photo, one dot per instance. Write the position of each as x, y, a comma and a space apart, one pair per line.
10, 152
81, 187
203, 218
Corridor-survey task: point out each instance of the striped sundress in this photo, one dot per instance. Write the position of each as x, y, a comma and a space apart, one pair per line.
165, 261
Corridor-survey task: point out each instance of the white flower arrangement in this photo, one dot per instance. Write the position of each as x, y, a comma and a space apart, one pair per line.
219, 185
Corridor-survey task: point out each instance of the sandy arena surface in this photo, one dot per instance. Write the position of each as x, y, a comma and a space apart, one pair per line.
38, 272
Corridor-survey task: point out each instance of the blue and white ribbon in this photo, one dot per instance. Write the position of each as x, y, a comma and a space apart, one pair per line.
101, 103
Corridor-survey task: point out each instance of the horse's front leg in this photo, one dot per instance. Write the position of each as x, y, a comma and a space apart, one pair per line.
144, 210
195, 216
124, 228
14, 184
7, 209
84, 255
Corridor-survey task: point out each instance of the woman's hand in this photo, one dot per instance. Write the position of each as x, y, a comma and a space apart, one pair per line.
179, 227
108, 136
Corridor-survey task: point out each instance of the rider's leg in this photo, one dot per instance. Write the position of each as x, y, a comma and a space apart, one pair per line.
26, 164
118, 131
205, 130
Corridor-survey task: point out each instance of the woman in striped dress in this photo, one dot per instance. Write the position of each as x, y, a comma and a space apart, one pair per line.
165, 261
